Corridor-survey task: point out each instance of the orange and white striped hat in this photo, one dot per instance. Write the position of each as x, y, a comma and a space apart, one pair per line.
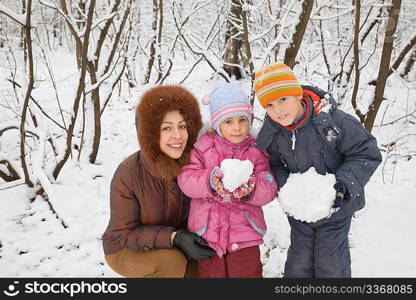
275, 81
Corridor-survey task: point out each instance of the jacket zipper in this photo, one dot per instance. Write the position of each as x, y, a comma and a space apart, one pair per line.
293, 139
293, 147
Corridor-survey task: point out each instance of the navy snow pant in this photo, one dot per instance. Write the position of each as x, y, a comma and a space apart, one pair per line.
319, 251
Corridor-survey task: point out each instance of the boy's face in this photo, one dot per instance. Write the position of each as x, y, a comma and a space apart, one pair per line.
285, 110
235, 129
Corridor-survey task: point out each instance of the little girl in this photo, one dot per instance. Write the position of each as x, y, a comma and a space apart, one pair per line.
232, 222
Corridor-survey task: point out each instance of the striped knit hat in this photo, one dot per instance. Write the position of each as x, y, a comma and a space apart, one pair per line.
275, 81
225, 102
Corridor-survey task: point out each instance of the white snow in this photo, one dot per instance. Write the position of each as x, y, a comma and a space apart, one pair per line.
20, 18
236, 172
308, 196
33, 241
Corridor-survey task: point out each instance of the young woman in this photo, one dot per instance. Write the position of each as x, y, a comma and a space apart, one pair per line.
146, 235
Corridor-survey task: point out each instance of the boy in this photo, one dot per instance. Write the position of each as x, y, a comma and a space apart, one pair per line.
303, 128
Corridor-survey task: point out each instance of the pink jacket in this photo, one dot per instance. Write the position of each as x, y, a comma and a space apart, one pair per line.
227, 226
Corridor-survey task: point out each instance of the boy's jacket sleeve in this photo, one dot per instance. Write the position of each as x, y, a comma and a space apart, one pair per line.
361, 155
279, 171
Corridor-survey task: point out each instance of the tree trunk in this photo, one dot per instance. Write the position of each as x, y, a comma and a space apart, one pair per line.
384, 64
357, 60
159, 42
292, 50
233, 40
153, 43
78, 43
95, 98
28, 47
80, 91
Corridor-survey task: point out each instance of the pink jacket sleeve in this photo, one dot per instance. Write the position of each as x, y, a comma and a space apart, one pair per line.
194, 178
266, 188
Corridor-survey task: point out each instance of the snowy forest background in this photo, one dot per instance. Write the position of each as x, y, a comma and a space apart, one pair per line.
72, 71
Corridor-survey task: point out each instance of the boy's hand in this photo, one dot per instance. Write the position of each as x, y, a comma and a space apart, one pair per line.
217, 184
245, 189
341, 194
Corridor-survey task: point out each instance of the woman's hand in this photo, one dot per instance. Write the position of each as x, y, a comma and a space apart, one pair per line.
192, 245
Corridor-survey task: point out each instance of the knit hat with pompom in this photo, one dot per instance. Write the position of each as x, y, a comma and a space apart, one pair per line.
225, 102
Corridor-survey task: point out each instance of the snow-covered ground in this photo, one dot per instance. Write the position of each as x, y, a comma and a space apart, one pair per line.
35, 243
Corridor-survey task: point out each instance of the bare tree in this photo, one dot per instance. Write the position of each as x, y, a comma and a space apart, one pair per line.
26, 25
157, 27
357, 59
292, 50
80, 91
384, 69
233, 40
94, 72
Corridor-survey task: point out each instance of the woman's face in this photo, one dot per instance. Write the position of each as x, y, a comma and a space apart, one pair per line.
173, 134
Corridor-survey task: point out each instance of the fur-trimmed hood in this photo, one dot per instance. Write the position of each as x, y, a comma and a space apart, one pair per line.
153, 106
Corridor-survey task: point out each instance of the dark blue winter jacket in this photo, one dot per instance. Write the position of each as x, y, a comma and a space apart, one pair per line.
331, 141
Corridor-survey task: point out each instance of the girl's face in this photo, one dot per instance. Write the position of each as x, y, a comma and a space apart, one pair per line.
173, 134
285, 110
235, 129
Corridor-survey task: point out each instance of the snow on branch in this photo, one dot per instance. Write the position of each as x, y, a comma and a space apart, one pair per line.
68, 18
89, 89
98, 22
19, 18
251, 8
46, 184
348, 9
279, 36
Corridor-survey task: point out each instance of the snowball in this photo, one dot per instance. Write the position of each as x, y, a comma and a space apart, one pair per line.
236, 172
308, 196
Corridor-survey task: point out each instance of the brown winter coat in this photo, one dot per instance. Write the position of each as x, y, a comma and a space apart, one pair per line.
146, 204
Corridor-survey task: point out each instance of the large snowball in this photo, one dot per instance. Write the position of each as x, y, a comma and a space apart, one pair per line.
308, 196
236, 172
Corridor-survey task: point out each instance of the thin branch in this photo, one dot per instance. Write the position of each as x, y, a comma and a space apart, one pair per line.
40, 108
12, 176
18, 18
396, 120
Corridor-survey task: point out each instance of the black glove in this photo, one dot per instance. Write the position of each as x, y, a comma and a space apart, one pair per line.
341, 194
192, 245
